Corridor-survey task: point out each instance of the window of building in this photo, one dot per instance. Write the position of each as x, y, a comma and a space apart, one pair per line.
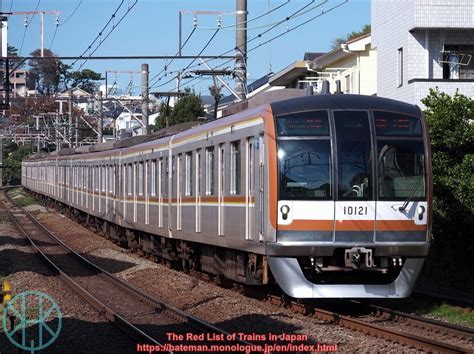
235, 168
400, 67
457, 61
210, 171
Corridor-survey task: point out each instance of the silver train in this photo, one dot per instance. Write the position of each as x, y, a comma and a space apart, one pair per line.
329, 196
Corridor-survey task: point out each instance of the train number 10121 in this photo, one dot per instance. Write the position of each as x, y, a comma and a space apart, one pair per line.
355, 210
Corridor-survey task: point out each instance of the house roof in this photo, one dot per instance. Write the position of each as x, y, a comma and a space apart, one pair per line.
289, 74
312, 55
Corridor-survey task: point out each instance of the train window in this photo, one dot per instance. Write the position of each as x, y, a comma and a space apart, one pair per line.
396, 124
354, 155
251, 164
140, 178
153, 178
313, 123
401, 167
210, 170
166, 179
129, 178
188, 174
235, 167
305, 169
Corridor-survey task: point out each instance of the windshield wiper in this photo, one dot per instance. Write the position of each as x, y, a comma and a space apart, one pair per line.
412, 193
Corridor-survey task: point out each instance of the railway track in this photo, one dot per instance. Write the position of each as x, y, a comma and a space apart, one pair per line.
145, 318
411, 331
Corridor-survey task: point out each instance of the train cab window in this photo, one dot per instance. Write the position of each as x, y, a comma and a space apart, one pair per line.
210, 170
354, 155
235, 168
188, 188
305, 169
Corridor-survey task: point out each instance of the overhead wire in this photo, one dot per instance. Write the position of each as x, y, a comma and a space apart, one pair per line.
27, 24
283, 33
189, 65
110, 32
112, 17
301, 11
167, 64
251, 20
72, 13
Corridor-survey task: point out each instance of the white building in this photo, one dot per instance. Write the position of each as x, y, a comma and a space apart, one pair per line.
423, 44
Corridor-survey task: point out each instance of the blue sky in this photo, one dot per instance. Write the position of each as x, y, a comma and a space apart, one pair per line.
151, 28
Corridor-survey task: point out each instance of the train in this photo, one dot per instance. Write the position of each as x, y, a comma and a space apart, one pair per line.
328, 196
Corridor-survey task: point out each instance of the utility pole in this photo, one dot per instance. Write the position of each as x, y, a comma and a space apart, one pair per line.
145, 98
70, 118
41, 13
101, 118
241, 49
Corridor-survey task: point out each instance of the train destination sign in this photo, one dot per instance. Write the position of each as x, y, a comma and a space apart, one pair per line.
395, 124
303, 124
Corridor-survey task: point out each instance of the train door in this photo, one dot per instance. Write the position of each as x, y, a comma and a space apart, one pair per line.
179, 197
261, 184
250, 229
160, 192
135, 190
220, 190
198, 190
170, 194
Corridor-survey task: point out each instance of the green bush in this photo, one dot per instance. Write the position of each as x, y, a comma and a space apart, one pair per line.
451, 126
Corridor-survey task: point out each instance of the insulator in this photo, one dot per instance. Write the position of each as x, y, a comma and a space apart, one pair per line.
57, 21
219, 22
195, 22
27, 22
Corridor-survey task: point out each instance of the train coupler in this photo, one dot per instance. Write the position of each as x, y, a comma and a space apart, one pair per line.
358, 258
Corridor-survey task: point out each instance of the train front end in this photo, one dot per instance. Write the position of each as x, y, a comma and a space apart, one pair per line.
351, 198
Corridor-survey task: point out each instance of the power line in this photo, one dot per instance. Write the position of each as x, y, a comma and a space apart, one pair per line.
130, 7
72, 14
187, 67
323, 12
167, 64
251, 20
298, 12
102, 30
114, 26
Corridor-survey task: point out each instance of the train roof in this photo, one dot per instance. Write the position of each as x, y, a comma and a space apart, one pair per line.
344, 102
287, 106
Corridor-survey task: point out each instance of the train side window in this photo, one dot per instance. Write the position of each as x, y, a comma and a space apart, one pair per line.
251, 163
166, 177
188, 174
235, 168
153, 178
140, 177
129, 179
210, 171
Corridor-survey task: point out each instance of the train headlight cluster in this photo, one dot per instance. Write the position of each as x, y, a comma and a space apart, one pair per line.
285, 209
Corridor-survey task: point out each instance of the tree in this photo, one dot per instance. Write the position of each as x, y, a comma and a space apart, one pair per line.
354, 34
13, 156
86, 80
187, 109
13, 52
452, 145
46, 72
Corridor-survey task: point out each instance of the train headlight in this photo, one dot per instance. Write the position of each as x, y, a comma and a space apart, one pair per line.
285, 209
421, 210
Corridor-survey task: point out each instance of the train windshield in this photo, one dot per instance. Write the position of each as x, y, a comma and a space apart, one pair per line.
401, 166
305, 169
354, 155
